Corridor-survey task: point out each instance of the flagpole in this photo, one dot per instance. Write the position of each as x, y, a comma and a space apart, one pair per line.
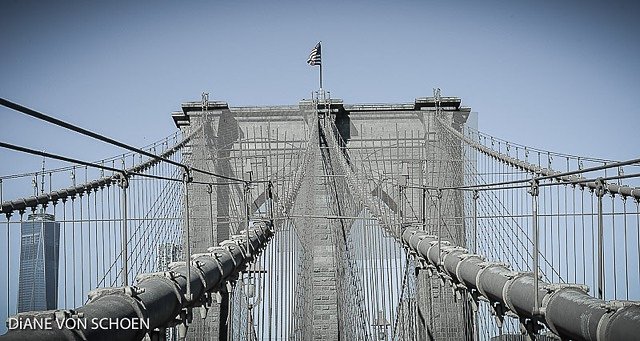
320, 44
321, 76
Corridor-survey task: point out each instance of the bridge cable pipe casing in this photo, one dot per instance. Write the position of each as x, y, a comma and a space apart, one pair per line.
158, 297
513, 291
567, 309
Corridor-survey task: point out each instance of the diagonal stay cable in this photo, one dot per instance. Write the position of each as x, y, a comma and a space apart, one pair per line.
68, 168
60, 123
59, 157
92, 164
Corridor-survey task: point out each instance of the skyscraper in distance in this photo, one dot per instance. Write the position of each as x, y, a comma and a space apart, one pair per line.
39, 263
167, 254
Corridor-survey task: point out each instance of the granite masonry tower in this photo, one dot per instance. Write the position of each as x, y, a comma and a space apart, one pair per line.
261, 143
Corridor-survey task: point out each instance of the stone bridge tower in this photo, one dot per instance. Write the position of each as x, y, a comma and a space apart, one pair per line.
266, 143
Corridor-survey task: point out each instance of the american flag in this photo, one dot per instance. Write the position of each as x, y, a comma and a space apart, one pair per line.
315, 56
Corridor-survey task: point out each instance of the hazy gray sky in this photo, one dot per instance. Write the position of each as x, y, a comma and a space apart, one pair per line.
562, 75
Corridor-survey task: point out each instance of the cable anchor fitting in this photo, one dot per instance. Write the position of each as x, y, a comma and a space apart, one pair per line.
186, 175
123, 180
534, 190
600, 187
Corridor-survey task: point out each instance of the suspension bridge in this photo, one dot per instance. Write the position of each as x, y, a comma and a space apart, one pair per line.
321, 221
